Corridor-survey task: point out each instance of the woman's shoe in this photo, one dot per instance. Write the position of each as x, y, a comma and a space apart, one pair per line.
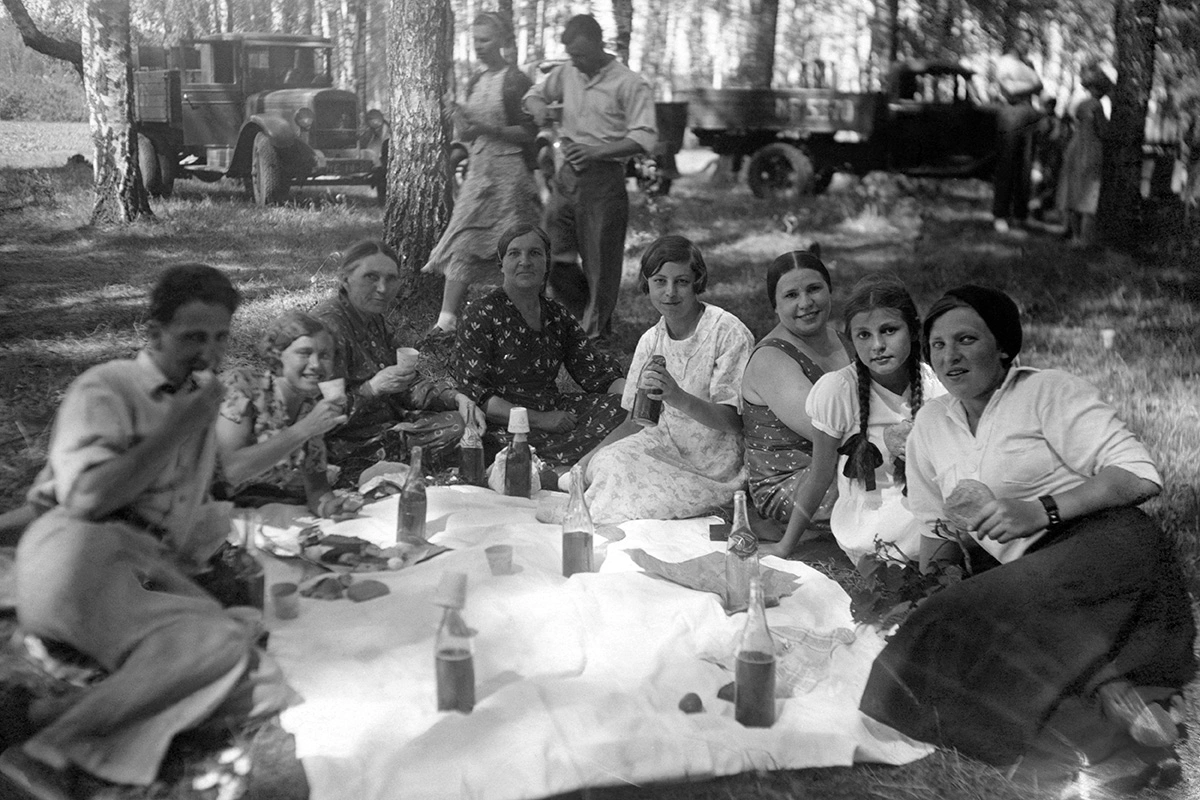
1149, 724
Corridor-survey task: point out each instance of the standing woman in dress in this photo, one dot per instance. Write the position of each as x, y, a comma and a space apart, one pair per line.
1079, 192
499, 191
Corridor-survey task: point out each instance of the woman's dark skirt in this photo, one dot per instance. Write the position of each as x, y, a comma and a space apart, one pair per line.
982, 665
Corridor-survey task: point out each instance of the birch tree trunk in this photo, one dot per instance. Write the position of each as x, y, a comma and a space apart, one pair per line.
757, 65
1135, 30
108, 86
420, 39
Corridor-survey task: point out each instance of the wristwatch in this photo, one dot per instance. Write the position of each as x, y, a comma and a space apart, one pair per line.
1051, 507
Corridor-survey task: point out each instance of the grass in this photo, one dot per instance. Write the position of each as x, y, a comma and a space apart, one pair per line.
71, 296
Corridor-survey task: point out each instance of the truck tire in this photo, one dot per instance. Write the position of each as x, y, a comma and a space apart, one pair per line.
158, 169
267, 181
148, 162
779, 170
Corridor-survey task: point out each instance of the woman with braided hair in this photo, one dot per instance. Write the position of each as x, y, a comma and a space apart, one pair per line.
860, 413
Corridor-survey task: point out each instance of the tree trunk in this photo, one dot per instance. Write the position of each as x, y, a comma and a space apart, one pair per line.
757, 66
623, 19
108, 85
420, 38
1134, 29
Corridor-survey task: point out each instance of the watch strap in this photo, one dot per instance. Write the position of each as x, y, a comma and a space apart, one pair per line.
1052, 512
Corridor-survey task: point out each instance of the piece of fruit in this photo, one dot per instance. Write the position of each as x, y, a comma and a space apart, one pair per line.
691, 703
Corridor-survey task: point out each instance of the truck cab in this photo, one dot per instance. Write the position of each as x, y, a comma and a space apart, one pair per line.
256, 107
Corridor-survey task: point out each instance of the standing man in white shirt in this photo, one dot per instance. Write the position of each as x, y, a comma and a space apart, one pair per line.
607, 117
106, 569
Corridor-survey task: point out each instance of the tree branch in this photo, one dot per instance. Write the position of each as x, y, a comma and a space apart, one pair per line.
71, 52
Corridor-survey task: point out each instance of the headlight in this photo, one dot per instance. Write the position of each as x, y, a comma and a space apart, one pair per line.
304, 118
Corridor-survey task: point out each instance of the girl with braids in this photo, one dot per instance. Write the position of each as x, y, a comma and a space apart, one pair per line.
860, 417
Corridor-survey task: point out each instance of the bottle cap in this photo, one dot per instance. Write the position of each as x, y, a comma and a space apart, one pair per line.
451, 592
518, 420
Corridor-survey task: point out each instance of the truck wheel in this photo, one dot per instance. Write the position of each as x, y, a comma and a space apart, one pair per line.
779, 170
267, 180
148, 162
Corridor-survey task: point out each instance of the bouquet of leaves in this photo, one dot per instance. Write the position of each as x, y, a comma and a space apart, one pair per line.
890, 586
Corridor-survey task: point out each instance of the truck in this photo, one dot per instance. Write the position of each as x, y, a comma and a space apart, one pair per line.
927, 122
256, 107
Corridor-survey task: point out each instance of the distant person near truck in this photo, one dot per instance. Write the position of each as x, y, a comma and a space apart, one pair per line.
1016, 125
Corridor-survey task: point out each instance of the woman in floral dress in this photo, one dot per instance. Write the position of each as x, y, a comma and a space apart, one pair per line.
690, 463
511, 345
499, 190
271, 428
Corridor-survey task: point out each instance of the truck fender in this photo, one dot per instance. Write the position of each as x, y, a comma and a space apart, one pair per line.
281, 131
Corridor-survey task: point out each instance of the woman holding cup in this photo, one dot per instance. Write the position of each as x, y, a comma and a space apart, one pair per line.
1074, 624
271, 428
391, 407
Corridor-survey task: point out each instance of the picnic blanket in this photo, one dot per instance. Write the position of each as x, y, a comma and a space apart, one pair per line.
578, 680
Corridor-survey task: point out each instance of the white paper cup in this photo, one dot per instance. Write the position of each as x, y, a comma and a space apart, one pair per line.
406, 358
1107, 337
499, 558
285, 598
333, 390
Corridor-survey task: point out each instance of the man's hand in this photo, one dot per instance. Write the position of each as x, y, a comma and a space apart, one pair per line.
193, 412
579, 155
391, 380
552, 421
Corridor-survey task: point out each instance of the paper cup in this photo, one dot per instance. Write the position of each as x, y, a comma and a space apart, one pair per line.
406, 358
285, 598
1107, 337
333, 390
499, 558
451, 592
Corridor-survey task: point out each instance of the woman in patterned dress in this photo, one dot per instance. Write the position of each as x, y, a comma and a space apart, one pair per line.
391, 408
782, 370
690, 463
511, 345
499, 190
271, 425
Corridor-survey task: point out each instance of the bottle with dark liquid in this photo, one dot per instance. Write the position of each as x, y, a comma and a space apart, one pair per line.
646, 407
455, 663
518, 462
578, 532
754, 675
410, 518
741, 557
471, 467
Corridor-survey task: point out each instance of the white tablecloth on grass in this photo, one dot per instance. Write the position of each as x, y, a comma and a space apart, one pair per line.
577, 680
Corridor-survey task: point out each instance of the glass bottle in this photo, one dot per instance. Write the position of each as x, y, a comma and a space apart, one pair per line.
471, 466
455, 665
410, 517
647, 407
754, 675
578, 532
518, 461
741, 557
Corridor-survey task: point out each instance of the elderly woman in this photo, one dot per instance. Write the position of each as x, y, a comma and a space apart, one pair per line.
271, 425
391, 407
511, 345
1082, 630
781, 372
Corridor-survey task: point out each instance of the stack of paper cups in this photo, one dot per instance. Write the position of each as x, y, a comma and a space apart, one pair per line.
518, 420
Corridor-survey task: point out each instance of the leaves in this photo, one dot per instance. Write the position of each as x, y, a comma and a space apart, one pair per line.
892, 587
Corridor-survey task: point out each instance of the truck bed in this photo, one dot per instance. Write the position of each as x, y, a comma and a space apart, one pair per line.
806, 111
